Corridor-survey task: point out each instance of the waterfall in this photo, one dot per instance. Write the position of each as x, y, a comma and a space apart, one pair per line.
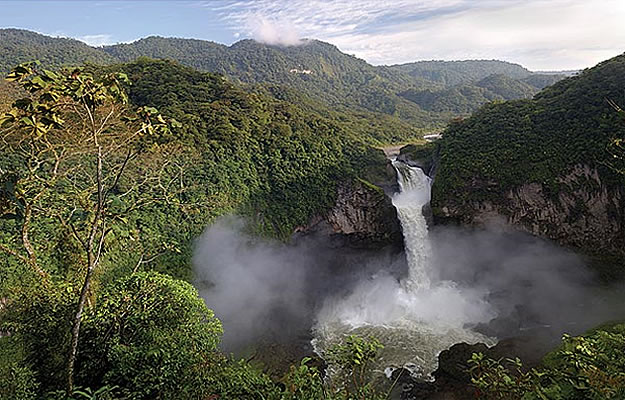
415, 318
414, 193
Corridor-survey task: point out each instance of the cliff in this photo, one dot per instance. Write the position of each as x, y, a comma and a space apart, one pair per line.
363, 214
586, 214
546, 166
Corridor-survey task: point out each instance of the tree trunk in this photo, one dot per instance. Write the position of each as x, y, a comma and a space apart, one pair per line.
76, 329
92, 262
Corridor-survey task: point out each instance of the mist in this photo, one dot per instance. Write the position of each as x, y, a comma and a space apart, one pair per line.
273, 32
532, 284
266, 290
498, 284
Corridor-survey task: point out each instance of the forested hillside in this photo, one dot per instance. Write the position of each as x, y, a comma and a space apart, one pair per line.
235, 152
18, 46
550, 155
466, 98
425, 95
451, 73
315, 68
115, 160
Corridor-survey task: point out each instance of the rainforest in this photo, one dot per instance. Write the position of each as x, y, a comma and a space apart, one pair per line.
276, 218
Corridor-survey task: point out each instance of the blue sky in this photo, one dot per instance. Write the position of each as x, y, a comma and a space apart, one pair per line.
540, 34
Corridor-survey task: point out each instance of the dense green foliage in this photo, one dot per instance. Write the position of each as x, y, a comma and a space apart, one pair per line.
273, 153
590, 367
237, 152
341, 80
151, 333
466, 98
19, 46
148, 334
318, 70
452, 73
332, 77
541, 81
271, 159
503, 146
458, 99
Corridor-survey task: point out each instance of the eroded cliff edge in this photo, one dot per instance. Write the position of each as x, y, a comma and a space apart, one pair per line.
363, 215
585, 214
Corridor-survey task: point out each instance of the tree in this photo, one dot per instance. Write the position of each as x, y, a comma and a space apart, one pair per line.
590, 366
148, 336
73, 138
152, 336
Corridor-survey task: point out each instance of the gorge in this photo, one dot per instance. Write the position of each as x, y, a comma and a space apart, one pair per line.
241, 223
449, 285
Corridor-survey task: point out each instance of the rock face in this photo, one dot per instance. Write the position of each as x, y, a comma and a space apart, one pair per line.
585, 213
363, 214
422, 156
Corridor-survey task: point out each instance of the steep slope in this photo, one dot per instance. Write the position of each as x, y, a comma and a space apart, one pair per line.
542, 164
238, 152
269, 159
466, 98
506, 87
316, 68
425, 95
542, 80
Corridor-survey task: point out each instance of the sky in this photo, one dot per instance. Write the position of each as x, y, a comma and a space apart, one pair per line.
539, 34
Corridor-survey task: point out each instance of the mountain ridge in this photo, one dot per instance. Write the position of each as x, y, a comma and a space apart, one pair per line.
318, 69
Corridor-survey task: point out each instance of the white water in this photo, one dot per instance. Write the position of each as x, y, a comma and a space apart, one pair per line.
414, 193
416, 318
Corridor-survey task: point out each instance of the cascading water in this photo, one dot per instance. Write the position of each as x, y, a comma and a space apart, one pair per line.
414, 193
416, 318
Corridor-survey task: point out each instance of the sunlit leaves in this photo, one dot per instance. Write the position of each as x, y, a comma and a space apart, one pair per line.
51, 91
590, 367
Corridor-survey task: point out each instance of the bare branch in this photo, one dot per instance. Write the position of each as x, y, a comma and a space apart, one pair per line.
149, 260
119, 173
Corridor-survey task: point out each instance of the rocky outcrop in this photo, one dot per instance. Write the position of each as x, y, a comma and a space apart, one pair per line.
362, 209
582, 212
363, 214
422, 156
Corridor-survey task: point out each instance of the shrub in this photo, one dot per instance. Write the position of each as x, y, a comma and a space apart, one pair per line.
591, 366
152, 336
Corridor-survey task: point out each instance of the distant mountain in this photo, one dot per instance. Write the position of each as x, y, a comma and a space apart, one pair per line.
18, 46
316, 68
424, 94
542, 80
452, 73
466, 98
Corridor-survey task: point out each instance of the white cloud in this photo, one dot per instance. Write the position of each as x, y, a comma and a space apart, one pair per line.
271, 31
540, 34
97, 40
